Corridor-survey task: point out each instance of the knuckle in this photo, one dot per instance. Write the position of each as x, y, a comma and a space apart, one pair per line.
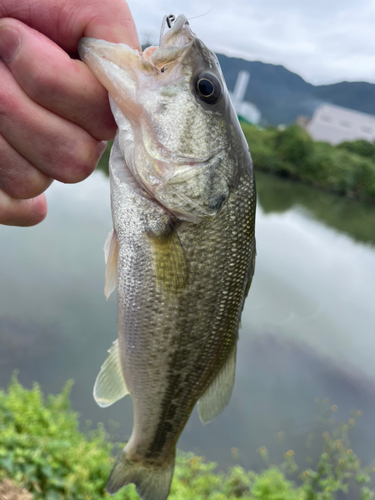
81, 162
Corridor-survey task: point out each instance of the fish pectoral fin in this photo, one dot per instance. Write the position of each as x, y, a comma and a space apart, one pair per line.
169, 260
111, 260
218, 393
110, 385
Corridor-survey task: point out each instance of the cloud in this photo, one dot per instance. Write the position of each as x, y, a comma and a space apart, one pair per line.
324, 41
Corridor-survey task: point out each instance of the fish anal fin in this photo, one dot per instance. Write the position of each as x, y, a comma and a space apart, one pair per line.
169, 259
218, 393
151, 482
110, 385
111, 260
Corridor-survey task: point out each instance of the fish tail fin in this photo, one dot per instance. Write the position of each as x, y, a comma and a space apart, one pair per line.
151, 482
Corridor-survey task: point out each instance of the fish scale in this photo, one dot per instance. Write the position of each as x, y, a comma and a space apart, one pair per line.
182, 250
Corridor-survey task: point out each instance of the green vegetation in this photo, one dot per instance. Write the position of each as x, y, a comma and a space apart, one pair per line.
360, 147
42, 450
347, 169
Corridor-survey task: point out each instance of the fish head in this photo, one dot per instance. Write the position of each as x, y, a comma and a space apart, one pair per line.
174, 116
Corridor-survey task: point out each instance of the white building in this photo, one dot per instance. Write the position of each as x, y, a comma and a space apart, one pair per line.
335, 124
244, 109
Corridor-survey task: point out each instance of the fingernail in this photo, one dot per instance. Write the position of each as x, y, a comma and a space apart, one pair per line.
9, 44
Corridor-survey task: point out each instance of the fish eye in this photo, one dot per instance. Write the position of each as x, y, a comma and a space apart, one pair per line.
208, 88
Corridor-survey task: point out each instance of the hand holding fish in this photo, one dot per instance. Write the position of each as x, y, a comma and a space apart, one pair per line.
54, 113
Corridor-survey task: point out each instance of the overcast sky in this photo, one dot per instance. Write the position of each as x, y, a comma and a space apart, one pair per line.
324, 41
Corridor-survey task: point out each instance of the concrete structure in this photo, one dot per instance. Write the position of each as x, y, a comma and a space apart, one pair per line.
335, 124
244, 109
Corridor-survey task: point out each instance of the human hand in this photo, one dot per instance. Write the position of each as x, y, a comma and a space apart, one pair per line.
54, 114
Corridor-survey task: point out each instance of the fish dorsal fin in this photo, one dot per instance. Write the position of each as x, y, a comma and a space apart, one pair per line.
110, 385
218, 394
169, 261
111, 260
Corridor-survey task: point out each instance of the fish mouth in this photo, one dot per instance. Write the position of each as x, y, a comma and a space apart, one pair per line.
179, 33
173, 44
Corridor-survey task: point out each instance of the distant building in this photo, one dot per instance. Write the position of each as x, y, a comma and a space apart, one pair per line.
335, 124
245, 110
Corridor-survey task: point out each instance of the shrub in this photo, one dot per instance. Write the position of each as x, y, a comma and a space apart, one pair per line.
295, 146
359, 147
42, 449
263, 153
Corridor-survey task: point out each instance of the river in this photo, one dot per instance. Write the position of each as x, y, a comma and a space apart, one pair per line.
307, 340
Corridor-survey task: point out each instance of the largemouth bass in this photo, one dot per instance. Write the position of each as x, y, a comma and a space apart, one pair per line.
182, 249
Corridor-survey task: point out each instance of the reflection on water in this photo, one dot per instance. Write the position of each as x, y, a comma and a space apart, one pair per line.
354, 219
307, 327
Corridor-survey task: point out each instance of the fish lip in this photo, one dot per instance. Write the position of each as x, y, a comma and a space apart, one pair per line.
181, 24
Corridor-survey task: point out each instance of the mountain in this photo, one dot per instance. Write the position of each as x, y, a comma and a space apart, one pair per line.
281, 95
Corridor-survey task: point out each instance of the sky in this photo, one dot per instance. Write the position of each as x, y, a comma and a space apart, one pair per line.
324, 41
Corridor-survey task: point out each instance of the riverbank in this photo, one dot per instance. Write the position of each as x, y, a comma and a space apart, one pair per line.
43, 451
347, 169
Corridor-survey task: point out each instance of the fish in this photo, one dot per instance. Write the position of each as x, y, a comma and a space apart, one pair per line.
182, 249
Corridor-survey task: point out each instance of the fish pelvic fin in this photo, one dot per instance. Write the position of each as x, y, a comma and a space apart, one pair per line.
152, 482
110, 385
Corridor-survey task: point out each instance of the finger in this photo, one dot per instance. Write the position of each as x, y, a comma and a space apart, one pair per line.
18, 177
67, 21
22, 212
55, 81
60, 149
